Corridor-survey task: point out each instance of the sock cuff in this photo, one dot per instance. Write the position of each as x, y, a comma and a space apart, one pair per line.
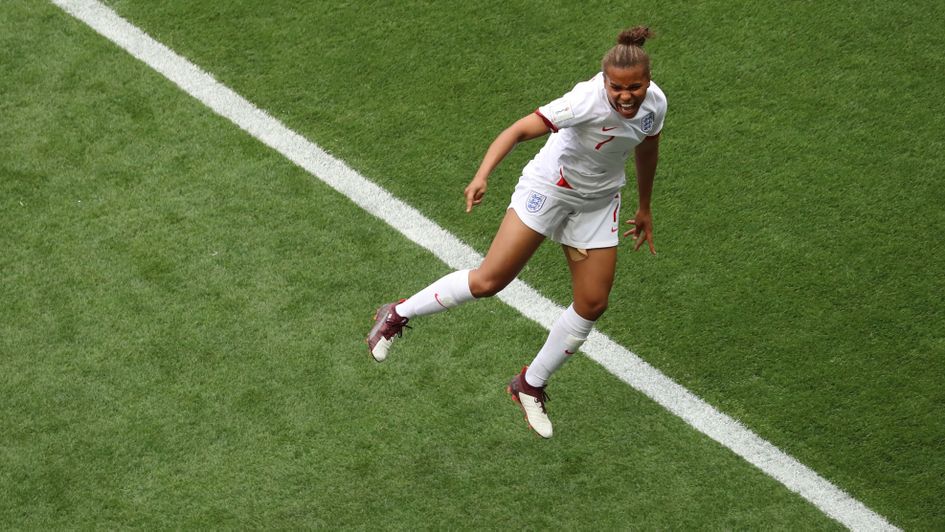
464, 290
455, 290
575, 324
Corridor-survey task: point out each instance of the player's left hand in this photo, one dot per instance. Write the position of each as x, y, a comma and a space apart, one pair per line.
642, 230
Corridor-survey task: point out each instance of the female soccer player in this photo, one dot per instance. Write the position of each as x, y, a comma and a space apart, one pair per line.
570, 193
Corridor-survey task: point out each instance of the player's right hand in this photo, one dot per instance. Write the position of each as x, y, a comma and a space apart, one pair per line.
474, 193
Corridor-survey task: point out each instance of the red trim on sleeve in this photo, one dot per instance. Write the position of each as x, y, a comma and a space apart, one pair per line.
546, 121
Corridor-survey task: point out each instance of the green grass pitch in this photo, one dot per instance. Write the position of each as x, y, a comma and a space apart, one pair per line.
182, 310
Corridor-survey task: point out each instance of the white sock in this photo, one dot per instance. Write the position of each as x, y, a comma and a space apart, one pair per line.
565, 338
449, 291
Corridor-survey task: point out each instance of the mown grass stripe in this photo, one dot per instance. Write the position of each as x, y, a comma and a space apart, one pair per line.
615, 358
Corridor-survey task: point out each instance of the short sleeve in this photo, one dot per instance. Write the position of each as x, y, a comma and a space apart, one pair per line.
574, 108
659, 114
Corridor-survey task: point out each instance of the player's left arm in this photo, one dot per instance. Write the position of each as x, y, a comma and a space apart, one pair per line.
646, 157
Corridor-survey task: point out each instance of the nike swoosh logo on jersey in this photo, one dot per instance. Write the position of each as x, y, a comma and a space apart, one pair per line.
605, 129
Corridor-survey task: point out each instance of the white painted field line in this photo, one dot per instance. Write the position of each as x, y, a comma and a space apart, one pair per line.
618, 360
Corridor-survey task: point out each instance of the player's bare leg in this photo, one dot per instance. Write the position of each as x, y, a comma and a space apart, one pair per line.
591, 281
513, 245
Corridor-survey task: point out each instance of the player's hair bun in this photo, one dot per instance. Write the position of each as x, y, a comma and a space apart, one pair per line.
629, 52
634, 36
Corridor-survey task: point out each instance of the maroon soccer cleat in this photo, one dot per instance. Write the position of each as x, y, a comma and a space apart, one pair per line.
532, 402
387, 324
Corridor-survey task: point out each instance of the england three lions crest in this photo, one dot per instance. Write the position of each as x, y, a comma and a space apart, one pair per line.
647, 123
535, 202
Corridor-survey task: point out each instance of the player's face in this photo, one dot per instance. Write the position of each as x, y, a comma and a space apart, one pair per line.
626, 88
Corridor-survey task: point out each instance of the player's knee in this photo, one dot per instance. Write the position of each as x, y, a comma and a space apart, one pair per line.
483, 285
591, 308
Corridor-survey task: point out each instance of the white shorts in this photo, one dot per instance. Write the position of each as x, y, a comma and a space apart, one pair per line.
575, 222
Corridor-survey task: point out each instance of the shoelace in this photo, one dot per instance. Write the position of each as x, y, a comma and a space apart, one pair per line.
542, 397
395, 327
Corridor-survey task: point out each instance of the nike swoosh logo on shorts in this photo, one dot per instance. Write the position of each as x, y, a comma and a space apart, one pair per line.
608, 128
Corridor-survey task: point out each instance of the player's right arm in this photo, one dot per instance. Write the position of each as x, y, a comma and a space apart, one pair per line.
526, 128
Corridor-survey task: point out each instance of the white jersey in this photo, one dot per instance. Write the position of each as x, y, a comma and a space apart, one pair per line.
587, 152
